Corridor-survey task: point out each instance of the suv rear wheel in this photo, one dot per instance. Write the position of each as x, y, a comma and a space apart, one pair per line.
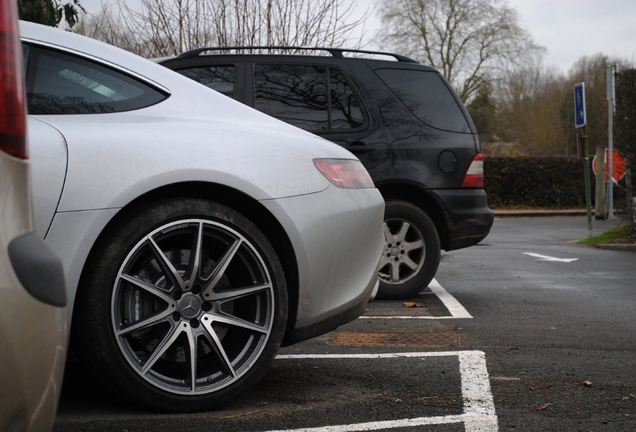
411, 251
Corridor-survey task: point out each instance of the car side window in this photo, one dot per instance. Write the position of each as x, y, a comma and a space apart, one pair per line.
219, 78
427, 97
61, 83
295, 94
314, 98
345, 109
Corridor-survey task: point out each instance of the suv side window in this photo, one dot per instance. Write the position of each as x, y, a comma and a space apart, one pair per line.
314, 98
60, 83
219, 78
427, 97
293, 93
346, 112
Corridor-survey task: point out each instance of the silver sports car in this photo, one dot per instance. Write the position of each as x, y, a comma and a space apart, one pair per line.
197, 235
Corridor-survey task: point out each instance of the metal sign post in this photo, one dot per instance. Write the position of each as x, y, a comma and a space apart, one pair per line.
580, 120
612, 70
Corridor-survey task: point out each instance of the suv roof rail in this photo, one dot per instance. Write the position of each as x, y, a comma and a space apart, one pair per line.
336, 52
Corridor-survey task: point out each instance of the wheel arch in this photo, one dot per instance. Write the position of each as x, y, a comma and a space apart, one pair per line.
419, 198
238, 201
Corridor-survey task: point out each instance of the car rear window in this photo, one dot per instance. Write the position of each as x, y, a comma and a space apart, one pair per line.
314, 98
219, 78
60, 83
427, 97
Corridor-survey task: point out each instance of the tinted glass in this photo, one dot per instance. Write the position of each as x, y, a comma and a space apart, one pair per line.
427, 97
59, 83
219, 78
295, 94
346, 112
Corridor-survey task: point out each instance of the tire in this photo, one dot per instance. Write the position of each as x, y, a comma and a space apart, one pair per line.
411, 251
182, 306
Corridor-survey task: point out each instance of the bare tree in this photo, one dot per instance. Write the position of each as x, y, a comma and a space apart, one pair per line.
160, 28
469, 41
529, 108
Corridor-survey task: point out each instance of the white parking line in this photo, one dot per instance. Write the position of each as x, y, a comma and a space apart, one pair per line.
454, 307
479, 408
550, 258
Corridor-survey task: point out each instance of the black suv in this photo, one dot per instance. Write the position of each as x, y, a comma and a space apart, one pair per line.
400, 118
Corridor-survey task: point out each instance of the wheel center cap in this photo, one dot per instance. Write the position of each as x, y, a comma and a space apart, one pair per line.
395, 251
190, 306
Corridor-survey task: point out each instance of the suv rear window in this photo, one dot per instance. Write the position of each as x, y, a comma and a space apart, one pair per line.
314, 98
60, 83
427, 97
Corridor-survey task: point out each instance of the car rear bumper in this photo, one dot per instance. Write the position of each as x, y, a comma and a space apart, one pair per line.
337, 238
466, 215
33, 334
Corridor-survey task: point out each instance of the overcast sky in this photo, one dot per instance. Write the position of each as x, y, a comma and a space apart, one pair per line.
568, 29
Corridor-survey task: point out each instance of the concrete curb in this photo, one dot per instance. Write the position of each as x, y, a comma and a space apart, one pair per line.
569, 212
540, 212
617, 247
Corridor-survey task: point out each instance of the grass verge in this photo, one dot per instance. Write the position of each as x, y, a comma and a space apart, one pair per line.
619, 234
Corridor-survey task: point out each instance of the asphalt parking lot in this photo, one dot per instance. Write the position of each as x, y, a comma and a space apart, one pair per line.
399, 366
526, 332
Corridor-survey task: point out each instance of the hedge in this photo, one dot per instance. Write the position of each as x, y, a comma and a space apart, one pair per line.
625, 132
557, 182
538, 181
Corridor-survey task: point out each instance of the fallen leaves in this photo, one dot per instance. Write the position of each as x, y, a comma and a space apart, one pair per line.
587, 383
542, 407
427, 398
244, 414
623, 397
414, 305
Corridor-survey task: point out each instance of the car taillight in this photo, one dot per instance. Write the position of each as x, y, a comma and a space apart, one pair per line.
345, 173
474, 177
12, 108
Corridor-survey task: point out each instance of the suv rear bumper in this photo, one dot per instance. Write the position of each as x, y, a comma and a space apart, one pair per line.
465, 214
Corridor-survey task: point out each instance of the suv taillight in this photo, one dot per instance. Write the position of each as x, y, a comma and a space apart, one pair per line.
12, 108
474, 177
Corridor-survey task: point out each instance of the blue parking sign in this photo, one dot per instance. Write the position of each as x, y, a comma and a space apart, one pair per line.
579, 105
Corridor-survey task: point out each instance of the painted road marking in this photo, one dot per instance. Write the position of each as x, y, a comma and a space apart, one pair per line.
454, 307
549, 258
479, 407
